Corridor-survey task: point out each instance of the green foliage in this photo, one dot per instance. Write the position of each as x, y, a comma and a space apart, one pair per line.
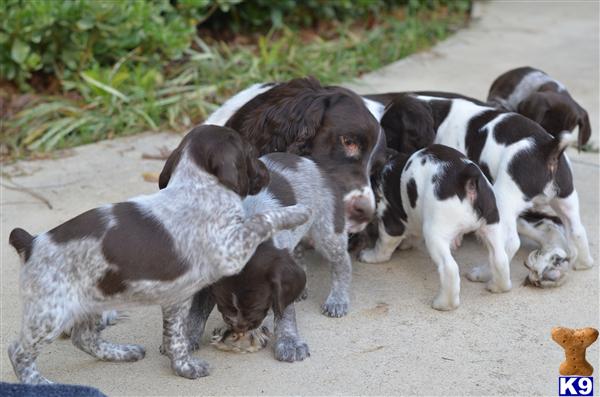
142, 77
67, 36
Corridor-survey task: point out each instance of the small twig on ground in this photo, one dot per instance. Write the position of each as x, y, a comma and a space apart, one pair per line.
163, 154
28, 191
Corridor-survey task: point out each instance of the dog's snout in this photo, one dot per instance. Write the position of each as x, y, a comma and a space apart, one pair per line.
360, 209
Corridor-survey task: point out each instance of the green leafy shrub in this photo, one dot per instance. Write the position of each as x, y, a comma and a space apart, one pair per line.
127, 66
65, 37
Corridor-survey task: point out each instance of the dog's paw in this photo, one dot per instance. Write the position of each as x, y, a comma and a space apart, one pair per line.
479, 274
303, 295
335, 306
191, 367
126, 353
444, 304
291, 349
371, 256
583, 264
498, 287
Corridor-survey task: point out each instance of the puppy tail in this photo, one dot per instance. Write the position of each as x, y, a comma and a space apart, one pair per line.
555, 148
22, 241
479, 192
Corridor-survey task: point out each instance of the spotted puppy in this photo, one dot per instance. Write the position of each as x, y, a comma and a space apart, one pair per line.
295, 179
154, 249
440, 195
541, 98
526, 165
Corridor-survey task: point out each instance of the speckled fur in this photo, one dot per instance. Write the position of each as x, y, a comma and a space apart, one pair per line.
311, 189
59, 282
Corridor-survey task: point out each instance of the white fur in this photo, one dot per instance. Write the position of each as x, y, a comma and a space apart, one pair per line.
228, 109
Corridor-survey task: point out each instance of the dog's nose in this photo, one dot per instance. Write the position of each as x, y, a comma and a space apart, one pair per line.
360, 209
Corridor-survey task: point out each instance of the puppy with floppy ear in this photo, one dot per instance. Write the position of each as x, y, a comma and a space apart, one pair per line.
539, 97
270, 280
226, 155
415, 118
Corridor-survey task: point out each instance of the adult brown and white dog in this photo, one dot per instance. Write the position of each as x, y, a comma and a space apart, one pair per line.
541, 98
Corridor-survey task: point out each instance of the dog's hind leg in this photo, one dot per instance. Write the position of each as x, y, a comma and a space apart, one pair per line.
176, 344
288, 344
41, 325
567, 209
298, 255
448, 297
499, 266
86, 337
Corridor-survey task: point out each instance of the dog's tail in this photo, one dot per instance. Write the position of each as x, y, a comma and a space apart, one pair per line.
555, 148
22, 242
479, 191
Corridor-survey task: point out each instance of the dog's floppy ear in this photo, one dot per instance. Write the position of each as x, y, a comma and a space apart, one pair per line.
169, 167
302, 122
534, 107
288, 281
230, 168
585, 130
258, 174
408, 124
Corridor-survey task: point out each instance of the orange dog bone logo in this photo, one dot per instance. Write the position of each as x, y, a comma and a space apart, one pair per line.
575, 341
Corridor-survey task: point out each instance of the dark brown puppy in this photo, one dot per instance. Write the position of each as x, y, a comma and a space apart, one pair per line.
537, 96
270, 280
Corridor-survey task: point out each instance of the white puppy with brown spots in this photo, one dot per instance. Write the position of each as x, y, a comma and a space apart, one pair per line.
440, 195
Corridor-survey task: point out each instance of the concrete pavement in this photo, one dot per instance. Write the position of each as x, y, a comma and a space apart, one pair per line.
392, 342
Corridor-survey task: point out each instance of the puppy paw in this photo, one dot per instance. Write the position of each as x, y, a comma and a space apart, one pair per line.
371, 256
335, 306
124, 353
190, 367
442, 303
479, 274
303, 295
498, 287
581, 264
291, 349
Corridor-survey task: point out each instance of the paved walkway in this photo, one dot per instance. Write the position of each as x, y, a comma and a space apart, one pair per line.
392, 342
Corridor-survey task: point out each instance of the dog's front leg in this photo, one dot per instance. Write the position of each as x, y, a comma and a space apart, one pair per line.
385, 246
335, 251
288, 344
203, 303
241, 241
175, 342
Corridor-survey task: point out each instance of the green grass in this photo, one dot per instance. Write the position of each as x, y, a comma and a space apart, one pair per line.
135, 96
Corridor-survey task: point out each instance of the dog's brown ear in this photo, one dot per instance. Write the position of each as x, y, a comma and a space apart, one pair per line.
534, 107
230, 169
585, 130
169, 167
258, 174
288, 282
408, 124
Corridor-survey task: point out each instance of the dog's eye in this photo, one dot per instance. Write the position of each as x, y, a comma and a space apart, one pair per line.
351, 146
